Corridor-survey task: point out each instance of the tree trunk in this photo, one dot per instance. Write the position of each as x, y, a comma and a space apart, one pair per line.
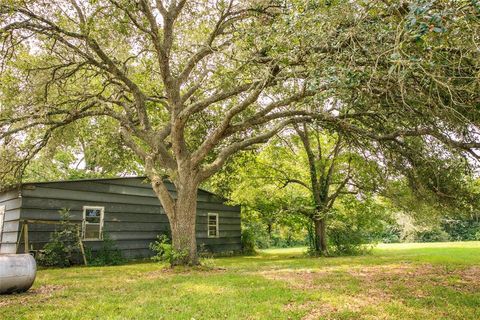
320, 236
182, 225
181, 213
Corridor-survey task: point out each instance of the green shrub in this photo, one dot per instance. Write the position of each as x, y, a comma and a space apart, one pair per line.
248, 241
355, 225
461, 229
108, 255
164, 251
204, 252
435, 234
285, 238
391, 234
259, 232
63, 247
208, 262
344, 239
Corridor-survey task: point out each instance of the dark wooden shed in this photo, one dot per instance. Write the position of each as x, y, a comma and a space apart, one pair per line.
124, 208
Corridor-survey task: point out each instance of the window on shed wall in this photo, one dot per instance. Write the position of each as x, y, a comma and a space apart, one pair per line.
213, 225
92, 226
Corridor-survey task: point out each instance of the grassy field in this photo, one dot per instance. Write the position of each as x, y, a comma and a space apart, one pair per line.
404, 281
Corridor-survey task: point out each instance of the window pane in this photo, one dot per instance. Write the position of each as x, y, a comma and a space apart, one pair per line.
92, 231
212, 231
212, 220
212, 225
92, 215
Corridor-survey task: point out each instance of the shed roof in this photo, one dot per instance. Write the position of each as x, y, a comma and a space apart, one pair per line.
18, 186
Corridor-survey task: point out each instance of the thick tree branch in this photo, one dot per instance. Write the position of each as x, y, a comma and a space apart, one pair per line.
210, 169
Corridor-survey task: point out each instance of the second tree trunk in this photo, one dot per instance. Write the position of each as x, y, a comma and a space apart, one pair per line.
320, 236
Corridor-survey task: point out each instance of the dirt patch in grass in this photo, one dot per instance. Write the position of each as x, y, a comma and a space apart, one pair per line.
166, 272
327, 281
409, 275
162, 273
417, 277
40, 294
297, 279
467, 280
356, 288
314, 310
46, 289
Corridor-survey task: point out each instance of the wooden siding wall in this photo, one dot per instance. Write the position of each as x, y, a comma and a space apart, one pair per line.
133, 215
12, 202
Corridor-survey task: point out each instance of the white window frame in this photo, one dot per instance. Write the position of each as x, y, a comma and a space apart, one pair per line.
84, 222
211, 214
2, 219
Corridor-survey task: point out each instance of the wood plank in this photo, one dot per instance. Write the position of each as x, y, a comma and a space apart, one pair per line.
9, 237
44, 237
59, 204
12, 204
223, 234
9, 195
109, 227
49, 214
203, 223
120, 244
227, 227
77, 215
216, 207
100, 187
136, 217
223, 247
88, 196
134, 226
97, 244
11, 226
129, 235
137, 254
221, 213
26, 235
143, 182
11, 215
215, 241
222, 220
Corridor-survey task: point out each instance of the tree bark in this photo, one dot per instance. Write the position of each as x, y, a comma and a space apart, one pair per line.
181, 213
183, 225
320, 236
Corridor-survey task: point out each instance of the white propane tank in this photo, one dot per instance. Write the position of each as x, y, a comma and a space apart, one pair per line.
17, 272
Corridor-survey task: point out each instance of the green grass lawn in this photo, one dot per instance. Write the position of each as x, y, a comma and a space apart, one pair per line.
398, 281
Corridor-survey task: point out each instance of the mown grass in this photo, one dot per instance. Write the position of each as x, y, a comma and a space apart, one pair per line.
404, 281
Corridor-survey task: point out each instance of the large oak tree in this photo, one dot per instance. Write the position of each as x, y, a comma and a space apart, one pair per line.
188, 84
